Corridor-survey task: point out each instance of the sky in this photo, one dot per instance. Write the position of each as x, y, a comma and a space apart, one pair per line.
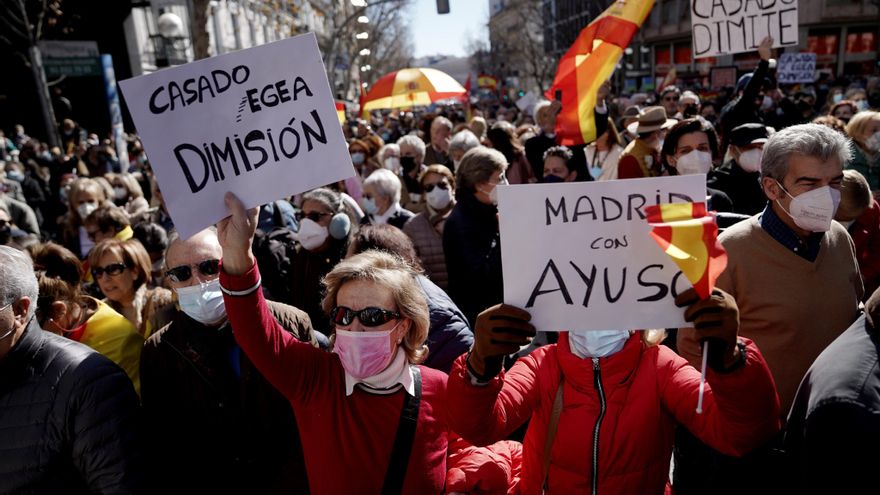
447, 34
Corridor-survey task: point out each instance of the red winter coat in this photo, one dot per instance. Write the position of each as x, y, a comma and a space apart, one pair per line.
646, 391
865, 232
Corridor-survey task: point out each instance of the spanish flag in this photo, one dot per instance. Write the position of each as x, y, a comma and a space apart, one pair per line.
340, 111
590, 62
486, 81
689, 234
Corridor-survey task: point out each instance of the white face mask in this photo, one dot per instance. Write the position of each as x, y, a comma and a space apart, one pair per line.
813, 210
439, 198
750, 160
120, 192
597, 343
86, 209
873, 142
493, 194
311, 235
766, 103
695, 162
203, 302
392, 163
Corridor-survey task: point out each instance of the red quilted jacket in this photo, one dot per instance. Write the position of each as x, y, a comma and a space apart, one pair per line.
615, 432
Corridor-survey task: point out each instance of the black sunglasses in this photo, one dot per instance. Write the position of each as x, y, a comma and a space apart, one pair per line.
111, 269
442, 185
314, 216
369, 317
183, 273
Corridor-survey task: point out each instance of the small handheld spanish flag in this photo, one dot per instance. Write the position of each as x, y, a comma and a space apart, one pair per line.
340, 111
689, 235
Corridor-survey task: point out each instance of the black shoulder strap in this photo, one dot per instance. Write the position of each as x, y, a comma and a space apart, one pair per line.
403, 441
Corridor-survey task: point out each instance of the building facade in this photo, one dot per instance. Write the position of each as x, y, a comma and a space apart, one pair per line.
842, 33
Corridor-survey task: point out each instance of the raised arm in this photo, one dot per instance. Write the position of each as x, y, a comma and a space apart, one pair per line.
293, 367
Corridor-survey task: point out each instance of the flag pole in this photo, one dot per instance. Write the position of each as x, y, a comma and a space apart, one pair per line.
703, 377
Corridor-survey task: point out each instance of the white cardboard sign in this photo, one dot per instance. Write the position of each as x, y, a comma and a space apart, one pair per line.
722, 27
579, 256
796, 68
260, 122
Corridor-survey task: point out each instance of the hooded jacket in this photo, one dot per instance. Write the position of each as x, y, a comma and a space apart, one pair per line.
616, 428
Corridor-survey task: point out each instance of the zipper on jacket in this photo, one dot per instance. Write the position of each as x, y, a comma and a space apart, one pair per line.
597, 382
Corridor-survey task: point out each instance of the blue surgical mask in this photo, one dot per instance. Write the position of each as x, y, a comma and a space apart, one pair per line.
357, 158
597, 343
369, 205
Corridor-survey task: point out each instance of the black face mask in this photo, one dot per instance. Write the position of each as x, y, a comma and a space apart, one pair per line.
408, 164
689, 111
5, 235
552, 179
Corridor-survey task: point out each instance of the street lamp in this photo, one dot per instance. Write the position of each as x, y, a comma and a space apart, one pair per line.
362, 36
364, 52
363, 19
169, 46
359, 3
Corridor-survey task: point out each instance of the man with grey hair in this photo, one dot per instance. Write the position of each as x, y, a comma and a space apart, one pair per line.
69, 417
462, 142
791, 269
215, 422
438, 149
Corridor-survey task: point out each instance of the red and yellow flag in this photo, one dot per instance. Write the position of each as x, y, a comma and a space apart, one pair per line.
487, 81
340, 111
689, 235
590, 62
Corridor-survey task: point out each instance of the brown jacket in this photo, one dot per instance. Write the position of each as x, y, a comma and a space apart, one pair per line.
428, 243
216, 425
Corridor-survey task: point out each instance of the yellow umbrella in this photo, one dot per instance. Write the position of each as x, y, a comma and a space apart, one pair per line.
411, 87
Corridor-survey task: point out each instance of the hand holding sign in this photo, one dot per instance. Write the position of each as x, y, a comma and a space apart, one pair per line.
500, 330
236, 236
716, 319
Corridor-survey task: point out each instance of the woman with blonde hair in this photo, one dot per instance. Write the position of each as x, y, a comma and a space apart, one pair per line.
83, 197
864, 130
122, 269
128, 194
371, 419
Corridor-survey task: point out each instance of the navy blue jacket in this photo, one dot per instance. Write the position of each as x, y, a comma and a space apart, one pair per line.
449, 335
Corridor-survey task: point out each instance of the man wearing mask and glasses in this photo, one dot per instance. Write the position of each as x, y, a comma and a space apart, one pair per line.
215, 422
69, 417
794, 275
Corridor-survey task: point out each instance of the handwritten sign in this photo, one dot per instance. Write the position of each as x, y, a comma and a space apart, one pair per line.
261, 123
796, 68
722, 27
579, 256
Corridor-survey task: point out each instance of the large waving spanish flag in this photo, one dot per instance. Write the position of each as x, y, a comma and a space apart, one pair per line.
589, 62
688, 233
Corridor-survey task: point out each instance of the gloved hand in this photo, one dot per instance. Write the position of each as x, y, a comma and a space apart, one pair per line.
715, 319
499, 331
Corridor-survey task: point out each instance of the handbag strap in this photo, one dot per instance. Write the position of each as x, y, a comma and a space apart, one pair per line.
403, 440
551, 430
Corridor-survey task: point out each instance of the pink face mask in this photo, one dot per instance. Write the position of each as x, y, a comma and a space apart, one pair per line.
364, 354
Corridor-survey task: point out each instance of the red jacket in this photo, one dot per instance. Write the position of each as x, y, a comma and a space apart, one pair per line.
645, 391
865, 232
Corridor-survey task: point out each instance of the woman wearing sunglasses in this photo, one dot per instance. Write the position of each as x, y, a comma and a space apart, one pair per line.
426, 228
63, 309
123, 271
371, 420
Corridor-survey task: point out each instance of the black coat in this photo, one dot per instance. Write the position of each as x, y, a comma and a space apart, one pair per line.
449, 335
743, 188
472, 246
833, 429
69, 420
216, 427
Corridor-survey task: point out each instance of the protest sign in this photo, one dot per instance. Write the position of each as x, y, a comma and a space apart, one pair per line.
796, 68
722, 27
261, 123
579, 256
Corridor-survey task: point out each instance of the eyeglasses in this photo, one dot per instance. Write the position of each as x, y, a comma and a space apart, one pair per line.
112, 269
671, 98
314, 216
183, 273
369, 317
442, 185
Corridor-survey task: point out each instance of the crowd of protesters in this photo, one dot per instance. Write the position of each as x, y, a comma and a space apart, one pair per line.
353, 338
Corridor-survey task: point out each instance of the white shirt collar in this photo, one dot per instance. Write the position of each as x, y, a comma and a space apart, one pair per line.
387, 381
383, 218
